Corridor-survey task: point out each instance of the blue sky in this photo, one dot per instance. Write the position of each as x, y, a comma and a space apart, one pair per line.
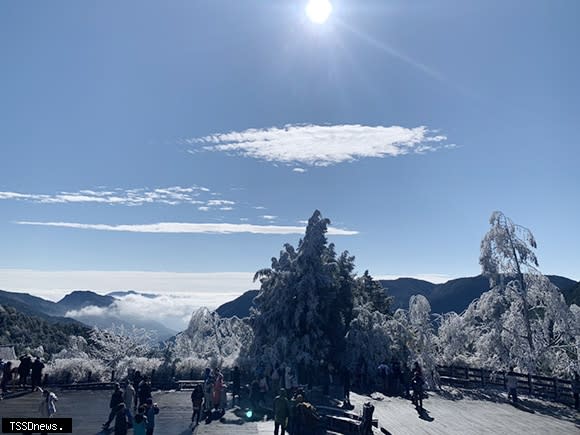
407, 123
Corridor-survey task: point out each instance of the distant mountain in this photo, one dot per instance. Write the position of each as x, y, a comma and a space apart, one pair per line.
28, 304
35, 306
79, 299
29, 331
120, 294
572, 294
76, 301
402, 289
239, 307
454, 295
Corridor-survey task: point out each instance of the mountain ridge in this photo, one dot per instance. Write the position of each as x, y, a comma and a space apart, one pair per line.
453, 295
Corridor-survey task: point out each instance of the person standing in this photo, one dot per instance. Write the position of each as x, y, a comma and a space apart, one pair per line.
346, 386
383, 370
116, 398
236, 385
36, 374
512, 385
144, 390
129, 399
6, 376
47, 406
281, 412
151, 411
276, 378
137, 378
417, 384
263, 384
24, 369
196, 402
208, 391
121, 419
396, 373
218, 388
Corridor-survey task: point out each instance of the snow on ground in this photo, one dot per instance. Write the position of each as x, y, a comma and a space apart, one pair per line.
466, 412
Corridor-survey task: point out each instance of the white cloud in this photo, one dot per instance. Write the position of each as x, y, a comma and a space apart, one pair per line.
184, 227
168, 195
179, 293
299, 170
173, 311
203, 208
226, 208
324, 145
269, 217
259, 207
217, 202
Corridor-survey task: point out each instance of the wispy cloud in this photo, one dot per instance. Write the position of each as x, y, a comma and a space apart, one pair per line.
269, 217
192, 228
174, 195
299, 170
168, 195
324, 145
218, 202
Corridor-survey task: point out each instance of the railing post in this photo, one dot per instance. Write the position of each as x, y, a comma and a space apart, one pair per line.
482, 378
530, 386
89, 376
556, 389
112, 375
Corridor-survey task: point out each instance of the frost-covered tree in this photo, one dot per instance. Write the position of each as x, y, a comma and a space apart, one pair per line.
305, 301
421, 339
208, 340
506, 258
523, 320
113, 344
371, 293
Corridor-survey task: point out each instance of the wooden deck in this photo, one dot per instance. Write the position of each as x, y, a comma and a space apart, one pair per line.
447, 414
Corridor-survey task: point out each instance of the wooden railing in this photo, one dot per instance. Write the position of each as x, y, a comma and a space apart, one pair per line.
555, 389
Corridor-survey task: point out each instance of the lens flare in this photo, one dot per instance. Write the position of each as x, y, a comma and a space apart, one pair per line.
318, 11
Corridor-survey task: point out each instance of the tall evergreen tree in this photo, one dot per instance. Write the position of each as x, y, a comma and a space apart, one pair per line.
305, 301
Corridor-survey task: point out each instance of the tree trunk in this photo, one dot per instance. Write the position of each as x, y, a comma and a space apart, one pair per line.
523, 294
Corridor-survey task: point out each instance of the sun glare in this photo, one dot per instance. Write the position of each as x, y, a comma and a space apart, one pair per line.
318, 11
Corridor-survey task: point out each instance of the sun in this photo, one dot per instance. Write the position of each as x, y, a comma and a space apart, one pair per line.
318, 11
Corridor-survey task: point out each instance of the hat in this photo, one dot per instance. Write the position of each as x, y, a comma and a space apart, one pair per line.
149, 401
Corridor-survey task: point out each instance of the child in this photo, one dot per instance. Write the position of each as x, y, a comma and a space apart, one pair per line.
140, 422
196, 400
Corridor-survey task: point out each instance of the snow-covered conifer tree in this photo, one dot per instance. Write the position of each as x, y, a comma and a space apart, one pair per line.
304, 301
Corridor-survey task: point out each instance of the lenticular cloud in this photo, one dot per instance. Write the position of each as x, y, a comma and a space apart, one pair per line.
324, 145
